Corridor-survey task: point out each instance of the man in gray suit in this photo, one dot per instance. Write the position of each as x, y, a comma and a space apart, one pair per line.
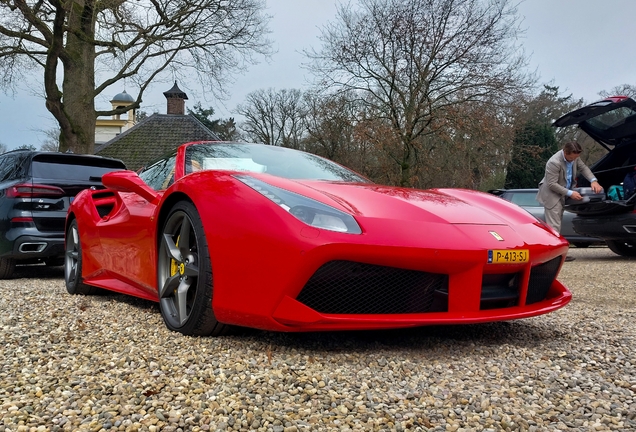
560, 175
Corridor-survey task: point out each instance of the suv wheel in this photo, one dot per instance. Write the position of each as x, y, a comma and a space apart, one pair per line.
623, 248
7, 266
581, 245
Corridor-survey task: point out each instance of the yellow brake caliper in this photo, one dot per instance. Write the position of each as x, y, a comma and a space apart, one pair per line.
174, 267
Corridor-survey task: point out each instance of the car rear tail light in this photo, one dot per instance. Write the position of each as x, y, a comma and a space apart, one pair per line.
27, 190
22, 222
22, 219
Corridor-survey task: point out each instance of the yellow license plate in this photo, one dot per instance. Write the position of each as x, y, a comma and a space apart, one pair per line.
508, 256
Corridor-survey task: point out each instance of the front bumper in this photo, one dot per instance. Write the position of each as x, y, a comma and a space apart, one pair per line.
526, 291
349, 287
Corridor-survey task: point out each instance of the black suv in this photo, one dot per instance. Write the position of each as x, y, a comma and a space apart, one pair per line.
612, 124
36, 189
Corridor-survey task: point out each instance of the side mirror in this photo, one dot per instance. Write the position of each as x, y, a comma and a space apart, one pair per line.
129, 181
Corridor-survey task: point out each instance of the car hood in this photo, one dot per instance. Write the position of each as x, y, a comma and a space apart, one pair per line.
610, 122
453, 206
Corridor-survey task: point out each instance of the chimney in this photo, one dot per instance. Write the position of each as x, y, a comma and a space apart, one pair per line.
176, 100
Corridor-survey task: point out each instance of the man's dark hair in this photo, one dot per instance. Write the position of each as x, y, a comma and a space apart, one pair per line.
572, 147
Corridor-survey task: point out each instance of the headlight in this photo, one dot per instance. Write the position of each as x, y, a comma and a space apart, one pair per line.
548, 227
305, 209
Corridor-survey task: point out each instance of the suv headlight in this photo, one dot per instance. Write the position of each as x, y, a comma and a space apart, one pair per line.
305, 209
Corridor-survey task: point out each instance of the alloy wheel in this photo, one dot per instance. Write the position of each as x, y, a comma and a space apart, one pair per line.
178, 268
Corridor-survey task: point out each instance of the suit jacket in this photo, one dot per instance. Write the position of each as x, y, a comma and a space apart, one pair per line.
552, 188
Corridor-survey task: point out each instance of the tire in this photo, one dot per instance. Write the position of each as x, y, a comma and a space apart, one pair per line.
622, 248
73, 263
184, 274
7, 267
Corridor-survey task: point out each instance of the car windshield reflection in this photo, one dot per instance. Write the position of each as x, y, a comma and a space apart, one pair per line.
260, 158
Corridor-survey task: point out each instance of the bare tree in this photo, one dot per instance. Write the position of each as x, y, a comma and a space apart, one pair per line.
620, 90
51, 141
341, 128
274, 117
3, 148
331, 122
413, 60
97, 43
470, 150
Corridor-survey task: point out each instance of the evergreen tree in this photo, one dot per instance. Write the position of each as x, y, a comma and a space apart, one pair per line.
534, 143
536, 140
225, 129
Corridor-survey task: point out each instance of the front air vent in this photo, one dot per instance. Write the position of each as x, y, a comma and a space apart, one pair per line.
347, 287
541, 278
499, 291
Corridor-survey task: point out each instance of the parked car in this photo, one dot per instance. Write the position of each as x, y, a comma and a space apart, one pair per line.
612, 124
36, 189
527, 199
268, 237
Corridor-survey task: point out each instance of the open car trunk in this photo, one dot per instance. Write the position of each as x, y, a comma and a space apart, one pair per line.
612, 124
601, 206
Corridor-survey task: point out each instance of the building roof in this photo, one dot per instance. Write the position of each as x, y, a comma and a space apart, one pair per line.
175, 92
153, 137
123, 97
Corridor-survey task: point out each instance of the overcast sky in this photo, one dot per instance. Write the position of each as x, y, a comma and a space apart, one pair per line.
582, 46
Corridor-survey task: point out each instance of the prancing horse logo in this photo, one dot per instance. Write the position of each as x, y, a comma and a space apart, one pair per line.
495, 235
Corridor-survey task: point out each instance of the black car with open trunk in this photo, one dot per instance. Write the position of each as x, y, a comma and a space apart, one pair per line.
612, 124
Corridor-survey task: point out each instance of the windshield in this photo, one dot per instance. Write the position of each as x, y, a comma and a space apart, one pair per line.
75, 172
525, 199
260, 158
612, 118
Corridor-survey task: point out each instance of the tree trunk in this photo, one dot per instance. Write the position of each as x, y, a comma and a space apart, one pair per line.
408, 155
78, 85
405, 169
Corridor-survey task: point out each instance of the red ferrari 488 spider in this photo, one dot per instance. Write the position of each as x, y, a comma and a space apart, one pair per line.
224, 234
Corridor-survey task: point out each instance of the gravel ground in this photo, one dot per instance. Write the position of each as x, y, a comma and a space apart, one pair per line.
108, 363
